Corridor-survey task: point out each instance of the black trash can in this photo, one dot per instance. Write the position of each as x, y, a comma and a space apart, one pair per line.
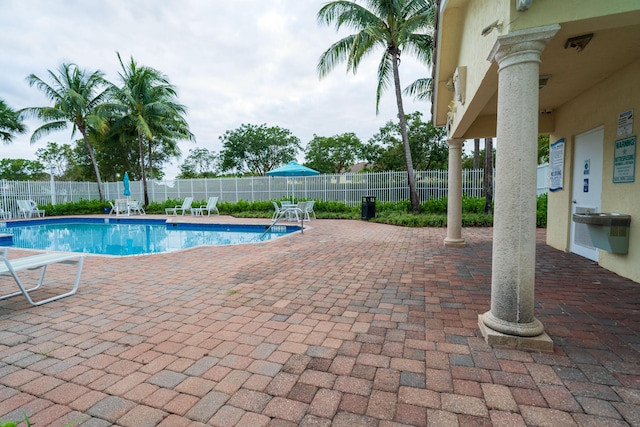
368, 207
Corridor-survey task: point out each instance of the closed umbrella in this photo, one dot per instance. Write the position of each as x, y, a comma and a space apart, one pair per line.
292, 169
125, 181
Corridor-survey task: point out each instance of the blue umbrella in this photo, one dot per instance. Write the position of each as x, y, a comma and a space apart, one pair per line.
292, 169
125, 181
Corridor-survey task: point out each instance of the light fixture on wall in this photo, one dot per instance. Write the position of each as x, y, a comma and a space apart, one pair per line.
578, 43
543, 80
495, 24
522, 5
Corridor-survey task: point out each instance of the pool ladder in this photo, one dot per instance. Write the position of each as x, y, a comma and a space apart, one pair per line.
284, 227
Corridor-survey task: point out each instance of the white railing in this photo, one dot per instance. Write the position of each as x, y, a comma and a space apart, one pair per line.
346, 188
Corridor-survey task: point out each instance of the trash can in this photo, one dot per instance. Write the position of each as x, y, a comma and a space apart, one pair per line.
368, 207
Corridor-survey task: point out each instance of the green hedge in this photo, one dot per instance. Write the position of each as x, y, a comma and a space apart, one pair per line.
433, 211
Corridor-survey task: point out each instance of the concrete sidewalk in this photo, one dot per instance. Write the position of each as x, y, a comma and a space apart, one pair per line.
349, 324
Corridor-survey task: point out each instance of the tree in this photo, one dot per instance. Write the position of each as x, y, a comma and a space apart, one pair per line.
393, 26
200, 163
333, 154
254, 150
22, 170
77, 96
543, 149
148, 103
427, 144
55, 157
10, 123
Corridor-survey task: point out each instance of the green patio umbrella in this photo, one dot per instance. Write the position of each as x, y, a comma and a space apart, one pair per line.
292, 169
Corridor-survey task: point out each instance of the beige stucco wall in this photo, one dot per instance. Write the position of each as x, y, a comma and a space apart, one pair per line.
546, 12
465, 25
600, 106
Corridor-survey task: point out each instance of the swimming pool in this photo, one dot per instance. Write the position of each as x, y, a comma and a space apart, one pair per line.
122, 236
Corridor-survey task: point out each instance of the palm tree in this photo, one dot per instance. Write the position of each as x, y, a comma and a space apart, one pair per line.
392, 25
77, 96
149, 104
10, 123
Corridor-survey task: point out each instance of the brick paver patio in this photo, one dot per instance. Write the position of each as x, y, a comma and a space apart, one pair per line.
349, 324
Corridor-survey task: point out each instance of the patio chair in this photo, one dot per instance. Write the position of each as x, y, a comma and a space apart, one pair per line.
210, 206
298, 211
12, 266
136, 206
5, 214
27, 208
186, 206
119, 207
277, 211
309, 210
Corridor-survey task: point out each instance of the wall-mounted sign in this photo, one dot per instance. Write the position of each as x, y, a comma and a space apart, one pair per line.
556, 165
624, 160
625, 123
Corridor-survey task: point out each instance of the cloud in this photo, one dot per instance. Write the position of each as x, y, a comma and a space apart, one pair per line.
245, 61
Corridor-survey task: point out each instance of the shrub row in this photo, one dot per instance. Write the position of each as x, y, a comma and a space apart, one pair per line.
433, 211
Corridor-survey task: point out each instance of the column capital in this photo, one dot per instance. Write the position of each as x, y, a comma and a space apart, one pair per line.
455, 142
531, 41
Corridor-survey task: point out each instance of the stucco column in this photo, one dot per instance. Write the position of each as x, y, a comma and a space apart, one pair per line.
454, 198
511, 317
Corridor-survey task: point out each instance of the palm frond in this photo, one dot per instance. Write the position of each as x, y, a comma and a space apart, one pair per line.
385, 77
47, 129
420, 89
337, 53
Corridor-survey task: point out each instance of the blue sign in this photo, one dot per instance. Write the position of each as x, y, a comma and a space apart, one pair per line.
585, 187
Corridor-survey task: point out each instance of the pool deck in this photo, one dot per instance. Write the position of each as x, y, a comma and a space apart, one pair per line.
349, 324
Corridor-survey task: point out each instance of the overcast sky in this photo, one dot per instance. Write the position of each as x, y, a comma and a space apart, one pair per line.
233, 62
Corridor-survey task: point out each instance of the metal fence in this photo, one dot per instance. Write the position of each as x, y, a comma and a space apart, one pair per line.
347, 188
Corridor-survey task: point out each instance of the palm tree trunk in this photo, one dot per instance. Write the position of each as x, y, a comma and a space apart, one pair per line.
413, 193
150, 161
488, 175
95, 165
143, 171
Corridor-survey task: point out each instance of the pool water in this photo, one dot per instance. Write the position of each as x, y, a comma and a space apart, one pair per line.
129, 236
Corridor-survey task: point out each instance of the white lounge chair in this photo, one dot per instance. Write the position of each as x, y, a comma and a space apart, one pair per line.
5, 214
186, 206
136, 206
119, 207
210, 206
12, 266
27, 208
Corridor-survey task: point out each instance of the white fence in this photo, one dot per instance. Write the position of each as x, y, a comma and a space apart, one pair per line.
345, 188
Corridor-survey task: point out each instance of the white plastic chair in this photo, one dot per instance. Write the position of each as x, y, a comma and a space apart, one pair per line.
27, 208
5, 214
186, 206
277, 211
297, 211
135, 206
210, 206
309, 210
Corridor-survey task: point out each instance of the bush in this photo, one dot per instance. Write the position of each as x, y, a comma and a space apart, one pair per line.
434, 211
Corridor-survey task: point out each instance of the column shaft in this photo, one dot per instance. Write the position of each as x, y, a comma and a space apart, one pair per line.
454, 198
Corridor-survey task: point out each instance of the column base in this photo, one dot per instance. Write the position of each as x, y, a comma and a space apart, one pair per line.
455, 243
538, 342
